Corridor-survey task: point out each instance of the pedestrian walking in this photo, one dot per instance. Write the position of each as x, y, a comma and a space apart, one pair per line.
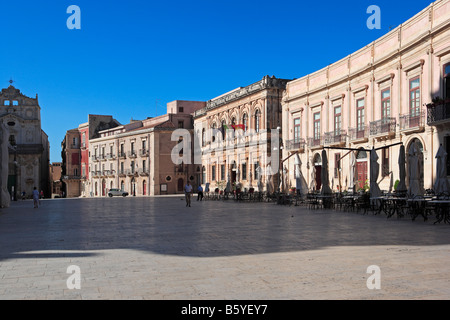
188, 192
36, 197
200, 193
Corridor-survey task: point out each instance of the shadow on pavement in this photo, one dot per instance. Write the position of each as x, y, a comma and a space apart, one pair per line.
207, 229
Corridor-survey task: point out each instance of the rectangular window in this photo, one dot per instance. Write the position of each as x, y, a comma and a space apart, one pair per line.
181, 109
83, 170
121, 167
132, 166
337, 164
255, 167
414, 96
316, 117
132, 148
337, 120
244, 171
222, 172
296, 130
180, 124
360, 115
83, 142
143, 166
213, 173
446, 78
385, 104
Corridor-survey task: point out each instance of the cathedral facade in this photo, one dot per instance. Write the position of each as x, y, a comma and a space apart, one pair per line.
28, 145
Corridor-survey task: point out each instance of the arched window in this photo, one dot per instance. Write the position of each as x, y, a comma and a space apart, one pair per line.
245, 121
203, 137
122, 186
223, 129
213, 132
257, 120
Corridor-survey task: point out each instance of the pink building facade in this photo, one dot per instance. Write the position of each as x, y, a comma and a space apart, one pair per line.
375, 97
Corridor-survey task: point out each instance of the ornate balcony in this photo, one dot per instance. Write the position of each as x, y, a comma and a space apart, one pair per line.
410, 123
143, 172
296, 145
122, 155
130, 172
143, 152
95, 158
71, 178
315, 142
335, 138
95, 174
358, 135
110, 156
132, 154
438, 113
383, 128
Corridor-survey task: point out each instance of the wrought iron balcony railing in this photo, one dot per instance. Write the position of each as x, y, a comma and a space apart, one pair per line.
335, 137
295, 144
385, 126
315, 142
438, 112
358, 134
412, 121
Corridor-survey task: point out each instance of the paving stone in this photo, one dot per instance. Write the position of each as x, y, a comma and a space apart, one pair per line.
155, 248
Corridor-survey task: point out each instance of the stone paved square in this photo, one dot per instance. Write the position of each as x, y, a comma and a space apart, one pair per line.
156, 248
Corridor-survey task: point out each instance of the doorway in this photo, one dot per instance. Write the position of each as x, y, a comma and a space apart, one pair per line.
318, 167
361, 169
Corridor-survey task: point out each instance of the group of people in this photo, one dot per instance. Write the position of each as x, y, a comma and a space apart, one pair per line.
188, 190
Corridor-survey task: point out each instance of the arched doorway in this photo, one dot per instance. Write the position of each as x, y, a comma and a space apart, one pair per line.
419, 152
317, 162
180, 184
96, 188
122, 186
144, 187
361, 169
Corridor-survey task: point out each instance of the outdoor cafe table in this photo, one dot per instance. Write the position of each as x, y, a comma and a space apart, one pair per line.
326, 200
417, 206
349, 201
390, 205
441, 209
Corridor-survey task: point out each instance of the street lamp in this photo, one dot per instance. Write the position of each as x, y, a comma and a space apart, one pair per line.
280, 156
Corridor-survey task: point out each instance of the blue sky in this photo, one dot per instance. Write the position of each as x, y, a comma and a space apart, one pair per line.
132, 57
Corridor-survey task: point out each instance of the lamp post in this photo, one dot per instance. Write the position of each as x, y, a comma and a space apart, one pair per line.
280, 156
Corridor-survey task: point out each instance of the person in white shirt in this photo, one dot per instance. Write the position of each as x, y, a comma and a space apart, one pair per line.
188, 192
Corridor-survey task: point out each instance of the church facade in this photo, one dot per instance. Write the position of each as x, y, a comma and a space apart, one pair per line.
27, 143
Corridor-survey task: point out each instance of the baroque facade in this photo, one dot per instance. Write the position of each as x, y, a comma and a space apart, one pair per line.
234, 132
377, 98
28, 144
